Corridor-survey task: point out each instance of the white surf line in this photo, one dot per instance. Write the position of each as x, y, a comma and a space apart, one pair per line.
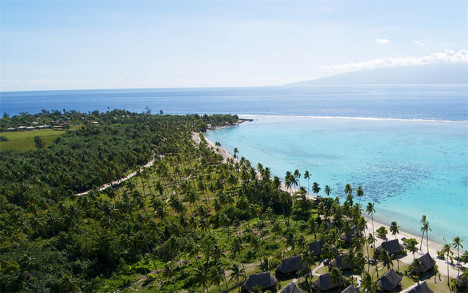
119, 181
358, 118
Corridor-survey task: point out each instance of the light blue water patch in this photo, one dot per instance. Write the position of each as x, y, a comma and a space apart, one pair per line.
408, 168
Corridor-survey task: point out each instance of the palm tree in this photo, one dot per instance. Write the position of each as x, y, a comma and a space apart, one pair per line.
307, 176
370, 240
367, 284
425, 228
447, 250
297, 175
457, 244
328, 190
348, 189
236, 249
415, 265
423, 220
370, 211
201, 274
360, 193
386, 259
217, 276
394, 228
349, 258
336, 277
237, 272
315, 187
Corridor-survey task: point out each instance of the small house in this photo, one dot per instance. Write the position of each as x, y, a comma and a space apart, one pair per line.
389, 281
316, 247
289, 265
350, 289
427, 263
264, 281
421, 288
340, 263
324, 283
291, 288
391, 246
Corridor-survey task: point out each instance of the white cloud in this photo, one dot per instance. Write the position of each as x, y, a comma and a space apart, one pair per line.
383, 41
419, 43
448, 56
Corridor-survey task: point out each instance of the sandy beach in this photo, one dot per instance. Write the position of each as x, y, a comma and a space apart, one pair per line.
408, 259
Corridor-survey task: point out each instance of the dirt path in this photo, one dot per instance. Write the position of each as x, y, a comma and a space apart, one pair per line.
119, 181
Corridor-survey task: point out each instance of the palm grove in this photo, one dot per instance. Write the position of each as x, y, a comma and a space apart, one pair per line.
190, 222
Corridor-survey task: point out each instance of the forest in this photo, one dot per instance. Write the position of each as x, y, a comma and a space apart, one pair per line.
190, 222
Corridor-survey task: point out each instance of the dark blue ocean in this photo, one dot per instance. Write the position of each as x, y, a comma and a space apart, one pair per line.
406, 145
428, 102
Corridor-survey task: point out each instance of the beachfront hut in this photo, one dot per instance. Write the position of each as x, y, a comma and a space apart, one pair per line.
350, 289
316, 247
391, 246
324, 283
264, 281
340, 263
421, 288
291, 288
389, 281
289, 265
427, 263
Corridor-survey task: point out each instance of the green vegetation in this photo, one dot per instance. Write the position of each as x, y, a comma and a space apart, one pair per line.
24, 140
188, 223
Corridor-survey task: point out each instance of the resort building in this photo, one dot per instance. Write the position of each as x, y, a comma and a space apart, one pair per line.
340, 263
264, 281
324, 283
289, 265
316, 247
427, 263
389, 281
291, 288
391, 246
421, 288
350, 289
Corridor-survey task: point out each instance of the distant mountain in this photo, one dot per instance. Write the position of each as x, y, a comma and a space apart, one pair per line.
449, 73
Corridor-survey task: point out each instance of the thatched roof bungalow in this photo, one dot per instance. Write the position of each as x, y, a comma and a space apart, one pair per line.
291, 288
389, 281
289, 265
324, 283
391, 246
316, 247
340, 263
350, 289
421, 288
427, 263
263, 280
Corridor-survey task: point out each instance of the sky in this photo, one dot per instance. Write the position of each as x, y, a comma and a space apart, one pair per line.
47, 45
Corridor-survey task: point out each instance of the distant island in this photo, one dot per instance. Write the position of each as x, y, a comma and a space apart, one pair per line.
449, 73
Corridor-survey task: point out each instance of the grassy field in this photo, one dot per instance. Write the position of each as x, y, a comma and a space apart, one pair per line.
24, 140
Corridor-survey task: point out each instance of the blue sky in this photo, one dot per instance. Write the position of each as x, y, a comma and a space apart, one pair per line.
127, 44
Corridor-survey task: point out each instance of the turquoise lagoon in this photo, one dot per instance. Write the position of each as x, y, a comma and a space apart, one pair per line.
407, 167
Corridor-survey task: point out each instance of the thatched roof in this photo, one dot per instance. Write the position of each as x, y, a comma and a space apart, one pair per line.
389, 281
348, 237
263, 280
350, 289
340, 262
289, 265
427, 263
316, 247
391, 246
421, 288
291, 288
323, 283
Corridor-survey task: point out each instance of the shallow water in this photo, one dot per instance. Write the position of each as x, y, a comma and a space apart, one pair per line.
408, 168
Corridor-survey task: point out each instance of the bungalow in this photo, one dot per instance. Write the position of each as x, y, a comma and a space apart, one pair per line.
340, 263
291, 288
289, 265
348, 237
324, 283
421, 288
264, 281
389, 281
391, 246
316, 247
350, 289
427, 263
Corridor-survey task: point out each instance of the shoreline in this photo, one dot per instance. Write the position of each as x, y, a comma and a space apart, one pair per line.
408, 259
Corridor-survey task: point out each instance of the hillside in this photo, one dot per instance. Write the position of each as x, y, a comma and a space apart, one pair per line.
453, 73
